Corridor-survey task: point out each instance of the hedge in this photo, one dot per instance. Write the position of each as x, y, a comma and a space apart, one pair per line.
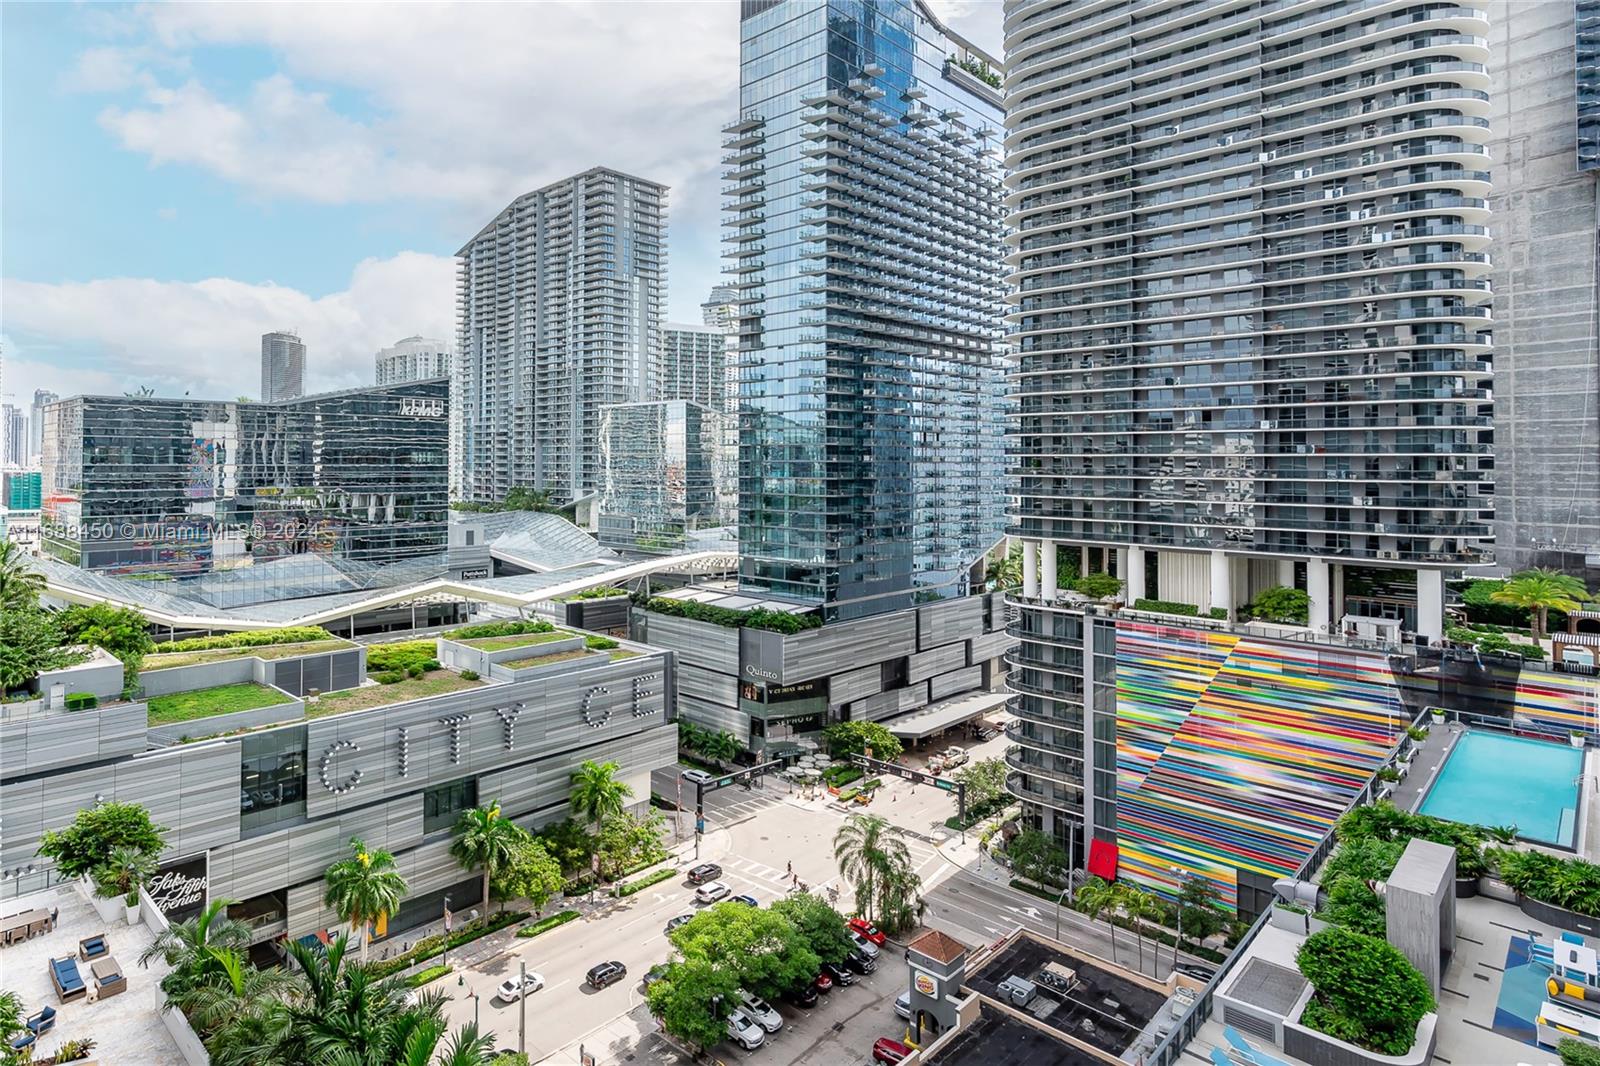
600, 643
403, 656
254, 639
842, 775
81, 701
602, 593
629, 888
544, 925
1166, 607
499, 629
757, 618
422, 977
429, 946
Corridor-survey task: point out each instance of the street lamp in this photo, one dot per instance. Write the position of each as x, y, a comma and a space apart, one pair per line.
446, 960
1072, 849
475, 997
1183, 877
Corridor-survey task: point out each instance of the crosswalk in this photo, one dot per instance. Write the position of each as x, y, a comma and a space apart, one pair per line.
769, 882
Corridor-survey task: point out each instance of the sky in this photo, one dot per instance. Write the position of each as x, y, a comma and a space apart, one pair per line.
177, 179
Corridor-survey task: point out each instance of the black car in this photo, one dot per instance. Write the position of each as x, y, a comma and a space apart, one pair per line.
1198, 972
841, 974
859, 963
804, 996
605, 974
680, 920
654, 974
706, 871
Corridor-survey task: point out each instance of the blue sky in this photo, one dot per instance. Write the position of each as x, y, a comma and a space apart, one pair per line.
178, 179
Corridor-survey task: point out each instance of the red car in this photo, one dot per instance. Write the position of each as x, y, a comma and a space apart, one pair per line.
890, 1051
868, 930
823, 983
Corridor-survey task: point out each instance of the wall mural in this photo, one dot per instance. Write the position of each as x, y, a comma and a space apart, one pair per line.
1235, 753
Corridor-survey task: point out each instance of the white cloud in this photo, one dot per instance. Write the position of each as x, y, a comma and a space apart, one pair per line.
200, 337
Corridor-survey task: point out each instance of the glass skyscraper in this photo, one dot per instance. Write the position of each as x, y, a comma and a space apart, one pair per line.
664, 473
865, 228
255, 501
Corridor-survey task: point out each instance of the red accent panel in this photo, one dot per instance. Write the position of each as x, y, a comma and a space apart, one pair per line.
1103, 859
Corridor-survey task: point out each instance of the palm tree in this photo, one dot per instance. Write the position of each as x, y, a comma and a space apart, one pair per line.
1539, 591
596, 792
364, 888
868, 850
721, 746
20, 583
1096, 898
124, 871
233, 988
486, 840
1142, 907
1133, 904
185, 946
1005, 572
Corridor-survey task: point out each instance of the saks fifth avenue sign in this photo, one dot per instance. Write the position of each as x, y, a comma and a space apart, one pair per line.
179, 891
593, 708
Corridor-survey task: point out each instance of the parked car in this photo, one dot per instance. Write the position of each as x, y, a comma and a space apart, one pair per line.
607, 973
654, 974
862, 927
697, 777
761, 1012
902, 1005
1198, 972
679, 921
747, 899
889, 1051
954, 757
511, 990
841, 974
745, 1032
706, 871
804, 996
867, 947
711, 893
856, 962
823, 982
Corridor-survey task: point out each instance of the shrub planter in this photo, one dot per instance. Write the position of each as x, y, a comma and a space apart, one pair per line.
1494, 888
1559, 917
1577, 740
1466, 887
1290, 921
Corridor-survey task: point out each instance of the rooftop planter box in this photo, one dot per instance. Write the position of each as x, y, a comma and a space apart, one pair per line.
481, 654
1320, 1049
325, 665
236, 707
100, 674
547, 663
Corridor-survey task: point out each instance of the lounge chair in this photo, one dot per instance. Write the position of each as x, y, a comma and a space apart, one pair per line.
68, 981
108, 978
24, 1041
93, 947
43, 1022
1243, 1049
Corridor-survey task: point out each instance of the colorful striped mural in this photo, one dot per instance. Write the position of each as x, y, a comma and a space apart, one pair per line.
1563, 701
1235, 753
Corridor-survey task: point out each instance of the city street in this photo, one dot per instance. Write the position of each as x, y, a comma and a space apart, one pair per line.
754, 835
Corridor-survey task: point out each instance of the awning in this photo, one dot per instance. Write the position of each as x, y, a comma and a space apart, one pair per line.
1103, 859
941, 716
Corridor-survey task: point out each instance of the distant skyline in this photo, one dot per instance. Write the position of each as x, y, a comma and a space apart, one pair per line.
183, 178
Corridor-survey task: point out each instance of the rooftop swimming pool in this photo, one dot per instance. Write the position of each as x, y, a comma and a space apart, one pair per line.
1498, 779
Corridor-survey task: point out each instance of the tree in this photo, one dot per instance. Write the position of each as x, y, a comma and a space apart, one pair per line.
1282, 604
569, 843
1097, 586
1038, 858
20, 584
596, 792
231, 986
693, 1000
900, 904
119, 630
625, 842
96, 832
1575, 1052
1140, 907
523, 498
30, 642
124, 871
530, 874
985, 781
722, 746
1367, 993
761, 948
364, 888
845, 739
1097, 899
186, 946
10, 1016
1005, 572
819, 925
485, 840
870, 852
1539, 591
1199, 915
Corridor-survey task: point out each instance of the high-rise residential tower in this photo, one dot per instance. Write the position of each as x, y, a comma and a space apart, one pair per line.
694, 365
1251, 298
13, 436
42, 398
559, 311
1544, 163
413, 359
865, 228
283, 366
721, 309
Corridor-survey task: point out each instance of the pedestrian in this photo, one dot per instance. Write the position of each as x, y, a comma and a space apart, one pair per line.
788, 868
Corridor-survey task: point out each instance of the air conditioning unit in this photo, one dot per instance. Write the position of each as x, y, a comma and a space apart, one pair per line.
1303, 172
1388, 555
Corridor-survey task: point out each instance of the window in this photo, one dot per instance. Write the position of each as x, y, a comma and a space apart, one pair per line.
442, 805
272, 778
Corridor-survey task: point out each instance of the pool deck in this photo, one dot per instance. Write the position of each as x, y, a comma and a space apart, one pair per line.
1426, 763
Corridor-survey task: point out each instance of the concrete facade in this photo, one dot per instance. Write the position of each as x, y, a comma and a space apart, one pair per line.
1420, 908
1547, 349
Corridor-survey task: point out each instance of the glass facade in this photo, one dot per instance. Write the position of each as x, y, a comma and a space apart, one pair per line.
442, 805
272, 778
665, 474
250, 502
865, 228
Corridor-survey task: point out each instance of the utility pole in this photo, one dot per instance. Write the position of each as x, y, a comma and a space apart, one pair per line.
522, 1008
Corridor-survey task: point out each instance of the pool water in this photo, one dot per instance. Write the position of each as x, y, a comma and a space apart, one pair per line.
1497, 779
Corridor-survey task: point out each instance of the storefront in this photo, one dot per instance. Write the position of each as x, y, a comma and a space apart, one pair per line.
784, 717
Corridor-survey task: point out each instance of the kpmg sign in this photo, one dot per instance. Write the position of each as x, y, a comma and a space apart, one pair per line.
422, 406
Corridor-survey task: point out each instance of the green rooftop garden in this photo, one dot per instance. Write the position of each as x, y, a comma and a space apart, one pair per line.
545, 660
209, 702
431, 683
164, 660
499, 629
519, 641
755, 618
